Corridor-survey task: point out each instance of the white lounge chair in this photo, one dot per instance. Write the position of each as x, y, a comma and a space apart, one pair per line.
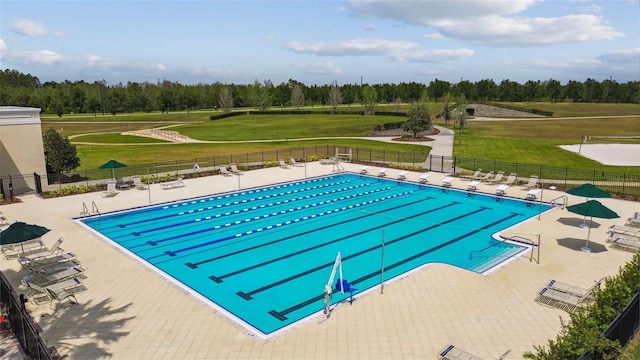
173, 184
382, 172
559, 299
511, 179
293, 162
45, 261
496, 179
283, 164
111, 190
446, 182
487, 177
533, 183
54, 250
474, 176
450, 352
533, 194
223, 170
234, 169
363, 170
626, 230
572, 289
625, 242
48, 279
473, 186
402, 175
12, 251
501, 189
424, 178
634, 220
138, 184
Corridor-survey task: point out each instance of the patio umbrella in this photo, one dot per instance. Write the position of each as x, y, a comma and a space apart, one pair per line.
592, 208
112, 164
588, 191
19, 232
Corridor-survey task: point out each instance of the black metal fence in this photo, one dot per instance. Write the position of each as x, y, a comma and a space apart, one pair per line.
627, 185
26, 331
622, 329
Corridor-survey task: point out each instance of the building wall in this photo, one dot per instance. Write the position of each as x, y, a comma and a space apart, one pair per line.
21, 149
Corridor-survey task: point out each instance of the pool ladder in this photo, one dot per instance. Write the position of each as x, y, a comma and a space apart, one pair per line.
564, 199
94, 209
516, 238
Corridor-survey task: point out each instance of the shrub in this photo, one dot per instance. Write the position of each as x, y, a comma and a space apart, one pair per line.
72, 189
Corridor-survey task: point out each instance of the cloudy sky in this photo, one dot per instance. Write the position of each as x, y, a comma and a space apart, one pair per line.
321, 41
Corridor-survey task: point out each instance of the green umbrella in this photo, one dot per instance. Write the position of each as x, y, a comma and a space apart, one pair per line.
112, 164
592, 208
589, 191
19, 232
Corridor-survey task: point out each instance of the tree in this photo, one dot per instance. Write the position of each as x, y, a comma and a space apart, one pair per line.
226, 99
60, 154
297, 96
261, 94
461, 111
335, 96
369, 99
419, 119
446, 99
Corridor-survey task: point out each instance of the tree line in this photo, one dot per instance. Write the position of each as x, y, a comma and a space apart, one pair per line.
98, 97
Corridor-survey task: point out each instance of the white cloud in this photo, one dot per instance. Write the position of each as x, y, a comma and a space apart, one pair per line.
29, 27
355, 47
621, 56
491, 23
424, 12
3, 46
433, 56
435, 36
319, 68
510, 32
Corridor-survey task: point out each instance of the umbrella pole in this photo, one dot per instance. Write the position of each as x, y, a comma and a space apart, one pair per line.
586, 247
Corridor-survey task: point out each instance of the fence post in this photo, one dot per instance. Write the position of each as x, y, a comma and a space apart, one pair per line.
38, 184
624, 179
566, 172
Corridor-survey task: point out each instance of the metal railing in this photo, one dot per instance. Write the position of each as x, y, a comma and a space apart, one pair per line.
563, 178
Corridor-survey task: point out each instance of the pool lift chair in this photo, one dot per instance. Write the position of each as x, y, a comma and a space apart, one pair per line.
342, 285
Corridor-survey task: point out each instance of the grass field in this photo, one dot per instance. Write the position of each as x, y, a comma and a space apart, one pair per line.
524, 141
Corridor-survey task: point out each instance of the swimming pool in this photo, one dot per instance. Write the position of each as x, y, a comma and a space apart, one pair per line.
263, 255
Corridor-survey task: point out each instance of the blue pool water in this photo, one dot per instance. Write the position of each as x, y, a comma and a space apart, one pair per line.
264, 254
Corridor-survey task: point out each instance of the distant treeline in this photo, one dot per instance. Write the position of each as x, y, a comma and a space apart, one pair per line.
18, 89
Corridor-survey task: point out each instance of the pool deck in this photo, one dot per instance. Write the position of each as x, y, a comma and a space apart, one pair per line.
130, 312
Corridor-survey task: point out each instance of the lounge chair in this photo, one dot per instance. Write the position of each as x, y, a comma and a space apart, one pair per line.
450, 352
501, 189
473, 176
45, 261
558, 299
121, 184
533, 194
473, 186
533, 183
488, 176
424, 178
12, 251
111, 190
626, 230
55, 250
328, 161
138, 184
173, 184
625, 242
572, 289
446, 182
283, 164
496, 179
49, 279
36, 293
293, 162
224, 171
634, 220
402, 175
234, 169
363, 170
382, 172
60, 296
511, 179
54, 268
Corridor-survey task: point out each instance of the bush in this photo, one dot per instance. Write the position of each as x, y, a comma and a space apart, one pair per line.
72, 190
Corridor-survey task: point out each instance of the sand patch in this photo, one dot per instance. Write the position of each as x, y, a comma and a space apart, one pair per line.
609, 154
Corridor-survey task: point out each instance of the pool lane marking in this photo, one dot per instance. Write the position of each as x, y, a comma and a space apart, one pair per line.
264, 216
229, 213
219, 279
251, 248
174, 253
122, 226
247, 294
281, 315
